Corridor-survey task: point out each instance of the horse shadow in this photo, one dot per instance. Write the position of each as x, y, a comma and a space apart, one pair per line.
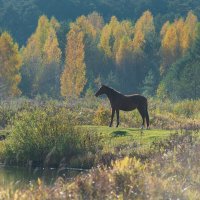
119, 134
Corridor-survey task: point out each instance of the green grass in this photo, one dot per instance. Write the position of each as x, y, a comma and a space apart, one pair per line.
113, 137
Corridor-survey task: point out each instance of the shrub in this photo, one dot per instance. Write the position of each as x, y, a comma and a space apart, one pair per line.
187, 108
101, 116
6, 113
45, 136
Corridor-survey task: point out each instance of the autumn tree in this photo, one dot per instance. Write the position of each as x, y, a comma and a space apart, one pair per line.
42, 57
91, 26
112, 35
144, 48
176, 38
188, 33
96, 20
123, 54
73, 78
182, 79
115, 43
144, 28
170, 48
10, 63
130, 49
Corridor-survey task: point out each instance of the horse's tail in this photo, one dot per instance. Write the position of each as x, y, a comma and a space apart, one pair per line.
147, 115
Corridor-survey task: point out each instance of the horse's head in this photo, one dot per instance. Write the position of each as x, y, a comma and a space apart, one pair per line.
101, 91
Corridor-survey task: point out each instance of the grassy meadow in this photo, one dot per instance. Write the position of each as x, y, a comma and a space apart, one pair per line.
123, 163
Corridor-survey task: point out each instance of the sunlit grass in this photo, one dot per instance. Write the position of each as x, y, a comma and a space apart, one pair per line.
113, 137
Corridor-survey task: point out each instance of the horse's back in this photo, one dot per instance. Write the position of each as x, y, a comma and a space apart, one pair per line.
130, 102
137, 97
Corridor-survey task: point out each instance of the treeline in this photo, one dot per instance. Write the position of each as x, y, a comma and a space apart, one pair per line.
132, 57
20, 17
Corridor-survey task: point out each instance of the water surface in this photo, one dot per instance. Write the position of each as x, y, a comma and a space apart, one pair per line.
22, 177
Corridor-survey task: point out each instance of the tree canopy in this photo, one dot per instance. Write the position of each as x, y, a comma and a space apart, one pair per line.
20, 17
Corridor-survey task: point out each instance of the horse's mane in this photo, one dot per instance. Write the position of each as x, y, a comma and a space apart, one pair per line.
113, 90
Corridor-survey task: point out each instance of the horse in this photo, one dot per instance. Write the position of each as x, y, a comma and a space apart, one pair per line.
119, 102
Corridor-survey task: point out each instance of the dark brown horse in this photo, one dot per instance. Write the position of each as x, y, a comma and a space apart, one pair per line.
119, 102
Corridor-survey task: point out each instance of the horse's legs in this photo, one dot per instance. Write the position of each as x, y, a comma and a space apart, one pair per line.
142, 113
112, 116
147, 118
117, 111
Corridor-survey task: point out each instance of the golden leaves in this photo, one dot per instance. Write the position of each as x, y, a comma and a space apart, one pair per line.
177, 37
10, 63
73, 78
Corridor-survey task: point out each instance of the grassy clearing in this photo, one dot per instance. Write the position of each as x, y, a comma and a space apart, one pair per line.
113, 137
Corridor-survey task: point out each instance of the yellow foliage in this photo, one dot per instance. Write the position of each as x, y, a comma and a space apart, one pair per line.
96, 20
54, 23
43, 44
84, 24
143, 27
112, 34
10, 63
52, 52
128, 163
123, 52
101, 116
105, 40
42, 57
164, 29
73, 78
176, 39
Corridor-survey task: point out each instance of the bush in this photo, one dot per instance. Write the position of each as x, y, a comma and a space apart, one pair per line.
101, 116
45, 136
187, 108
6, 113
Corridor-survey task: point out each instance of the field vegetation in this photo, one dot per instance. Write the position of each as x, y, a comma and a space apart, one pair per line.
124, 162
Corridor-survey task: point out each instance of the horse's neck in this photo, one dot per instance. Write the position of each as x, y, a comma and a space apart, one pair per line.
111, 94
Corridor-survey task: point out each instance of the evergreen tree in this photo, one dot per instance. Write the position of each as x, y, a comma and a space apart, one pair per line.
149, 84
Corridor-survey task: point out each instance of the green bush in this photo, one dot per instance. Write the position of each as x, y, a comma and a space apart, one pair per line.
6, 113
45, 136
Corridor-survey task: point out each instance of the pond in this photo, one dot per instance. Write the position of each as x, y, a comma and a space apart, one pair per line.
19, 177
